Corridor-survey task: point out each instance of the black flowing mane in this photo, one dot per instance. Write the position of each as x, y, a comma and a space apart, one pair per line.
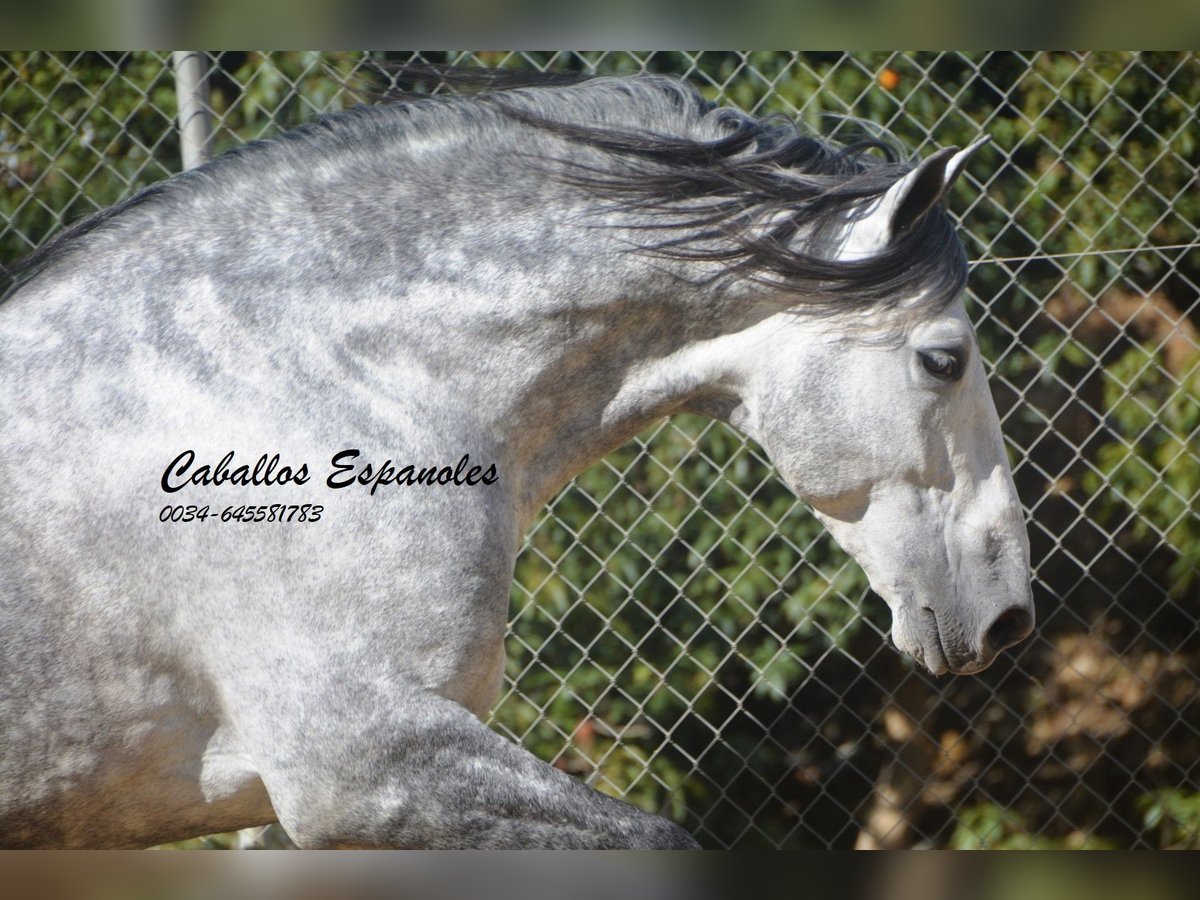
761, 199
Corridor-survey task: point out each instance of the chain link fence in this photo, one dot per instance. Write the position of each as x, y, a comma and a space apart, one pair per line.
683, 633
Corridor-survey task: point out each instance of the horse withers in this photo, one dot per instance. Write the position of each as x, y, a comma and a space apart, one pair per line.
254, 566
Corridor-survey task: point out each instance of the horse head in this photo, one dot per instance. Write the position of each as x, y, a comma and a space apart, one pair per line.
891, 435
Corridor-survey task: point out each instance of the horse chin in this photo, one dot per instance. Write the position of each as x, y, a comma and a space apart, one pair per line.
971, 667
921, 637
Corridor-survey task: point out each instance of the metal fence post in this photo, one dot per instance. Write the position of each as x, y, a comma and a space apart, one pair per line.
195, 121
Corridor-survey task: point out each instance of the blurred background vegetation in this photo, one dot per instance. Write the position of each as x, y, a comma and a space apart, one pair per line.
684, 634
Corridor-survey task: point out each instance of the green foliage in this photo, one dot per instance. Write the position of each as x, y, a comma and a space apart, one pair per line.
653, 580
990, 826
1152, 466
1171, 819
78, 132
1175, 816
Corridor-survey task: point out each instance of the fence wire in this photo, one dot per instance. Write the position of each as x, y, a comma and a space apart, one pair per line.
683, 634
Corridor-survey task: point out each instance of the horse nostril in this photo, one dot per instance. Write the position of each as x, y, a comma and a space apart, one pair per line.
1012, 627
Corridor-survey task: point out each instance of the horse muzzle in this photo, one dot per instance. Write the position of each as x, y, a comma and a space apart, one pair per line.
941, 644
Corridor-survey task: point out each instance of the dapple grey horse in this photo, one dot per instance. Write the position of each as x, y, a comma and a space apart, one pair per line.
271, 432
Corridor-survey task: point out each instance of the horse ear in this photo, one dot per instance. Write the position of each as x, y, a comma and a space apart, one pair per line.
915, 194
958, 161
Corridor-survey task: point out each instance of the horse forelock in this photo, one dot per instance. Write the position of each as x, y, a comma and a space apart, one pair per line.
747, 199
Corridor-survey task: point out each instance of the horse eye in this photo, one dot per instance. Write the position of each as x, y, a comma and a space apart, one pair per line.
942, 364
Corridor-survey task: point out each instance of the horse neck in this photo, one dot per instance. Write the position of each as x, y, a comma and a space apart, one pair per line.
565, 371
518, 319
